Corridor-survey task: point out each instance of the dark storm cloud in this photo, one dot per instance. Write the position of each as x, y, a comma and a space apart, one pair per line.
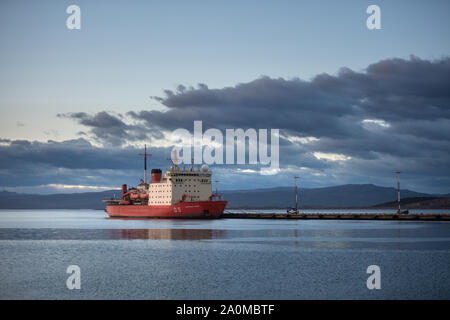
70, 162
412, 96
107, 128
409, 89
263, 103
393, 115
407, 103
396, 90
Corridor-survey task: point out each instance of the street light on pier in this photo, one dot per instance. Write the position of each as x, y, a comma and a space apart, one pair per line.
296, 194
398, 190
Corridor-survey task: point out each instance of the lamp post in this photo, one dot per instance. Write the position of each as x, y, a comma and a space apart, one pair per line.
296, 194
398, 191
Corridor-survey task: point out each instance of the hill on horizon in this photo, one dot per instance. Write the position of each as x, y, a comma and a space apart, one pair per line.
418, 203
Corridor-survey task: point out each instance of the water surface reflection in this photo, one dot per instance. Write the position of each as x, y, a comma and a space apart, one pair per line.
166, 234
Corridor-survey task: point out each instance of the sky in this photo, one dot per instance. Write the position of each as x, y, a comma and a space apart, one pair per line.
353, 105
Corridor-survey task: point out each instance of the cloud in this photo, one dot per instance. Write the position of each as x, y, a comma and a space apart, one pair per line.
108, 129
72, 162
393, 115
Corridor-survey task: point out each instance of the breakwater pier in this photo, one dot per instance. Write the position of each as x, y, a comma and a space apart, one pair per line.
340, 216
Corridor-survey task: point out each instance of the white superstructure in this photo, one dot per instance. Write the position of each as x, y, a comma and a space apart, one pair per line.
180, 185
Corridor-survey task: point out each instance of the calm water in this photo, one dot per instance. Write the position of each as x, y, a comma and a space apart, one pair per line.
219, 259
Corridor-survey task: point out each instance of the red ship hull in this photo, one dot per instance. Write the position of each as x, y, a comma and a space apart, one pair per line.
182, 210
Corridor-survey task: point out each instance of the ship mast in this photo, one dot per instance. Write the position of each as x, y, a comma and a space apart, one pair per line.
145, 154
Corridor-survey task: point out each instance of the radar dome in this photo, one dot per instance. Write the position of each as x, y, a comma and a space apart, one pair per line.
205, 168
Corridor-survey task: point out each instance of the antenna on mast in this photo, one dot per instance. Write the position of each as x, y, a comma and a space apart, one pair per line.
174, 159
145, 154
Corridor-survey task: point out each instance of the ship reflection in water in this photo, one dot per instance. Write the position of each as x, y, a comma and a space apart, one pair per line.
112, 234
166, 234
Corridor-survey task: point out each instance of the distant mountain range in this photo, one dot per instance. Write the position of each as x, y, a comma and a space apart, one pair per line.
344, 196
349, 195
86, 200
